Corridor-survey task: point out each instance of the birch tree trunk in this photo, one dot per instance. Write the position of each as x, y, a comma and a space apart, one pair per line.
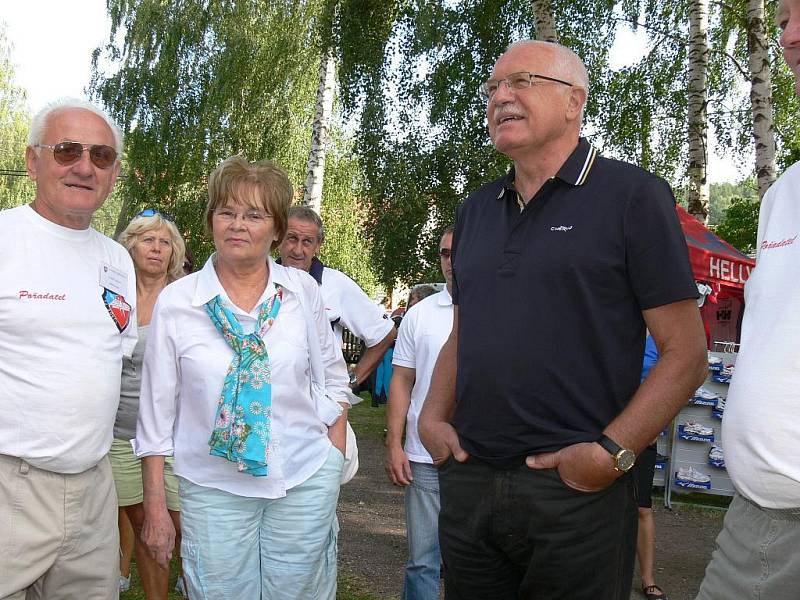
697, 194
315, 169
545, 22
761, 96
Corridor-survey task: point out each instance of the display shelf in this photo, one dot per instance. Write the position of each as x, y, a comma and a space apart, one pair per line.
693, 452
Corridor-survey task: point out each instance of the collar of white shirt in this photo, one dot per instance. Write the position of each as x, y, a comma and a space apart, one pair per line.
208, 285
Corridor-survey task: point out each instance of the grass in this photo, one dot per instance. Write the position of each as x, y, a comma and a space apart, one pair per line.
137, 593
366, 421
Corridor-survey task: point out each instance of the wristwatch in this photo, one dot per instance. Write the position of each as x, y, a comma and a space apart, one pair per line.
623, 458
353, 377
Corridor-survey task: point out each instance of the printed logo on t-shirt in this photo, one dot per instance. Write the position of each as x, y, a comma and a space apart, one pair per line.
119, 310
561, 228
767, 245
28, 295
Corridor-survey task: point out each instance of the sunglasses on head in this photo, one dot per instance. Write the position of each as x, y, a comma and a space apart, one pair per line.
152, 212
68, 153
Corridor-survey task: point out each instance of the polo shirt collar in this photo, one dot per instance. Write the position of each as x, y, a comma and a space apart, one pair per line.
209, 286
316, 269
574, 171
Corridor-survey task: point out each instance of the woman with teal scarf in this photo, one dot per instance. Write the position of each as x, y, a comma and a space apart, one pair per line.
244, 384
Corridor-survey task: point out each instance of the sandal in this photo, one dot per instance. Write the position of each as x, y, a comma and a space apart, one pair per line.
653, 592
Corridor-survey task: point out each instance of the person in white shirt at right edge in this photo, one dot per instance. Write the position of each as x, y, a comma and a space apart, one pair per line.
423, 332
757, 554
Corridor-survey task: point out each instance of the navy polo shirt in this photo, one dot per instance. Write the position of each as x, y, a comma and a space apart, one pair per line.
550, 300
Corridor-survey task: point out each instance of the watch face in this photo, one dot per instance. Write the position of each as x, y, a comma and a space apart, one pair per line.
625, 459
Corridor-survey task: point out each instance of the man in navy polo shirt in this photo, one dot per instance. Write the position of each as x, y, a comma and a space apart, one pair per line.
535, 412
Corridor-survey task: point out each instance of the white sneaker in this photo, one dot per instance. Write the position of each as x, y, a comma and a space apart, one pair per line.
695, 428
124, 583
692, 475
716, 454
705, 394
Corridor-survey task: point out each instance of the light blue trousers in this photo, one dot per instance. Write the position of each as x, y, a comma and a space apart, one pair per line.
422, 524
240, 548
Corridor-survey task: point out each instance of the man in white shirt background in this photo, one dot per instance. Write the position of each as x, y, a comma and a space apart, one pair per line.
423, 332
756, 553
346, 304
67, 295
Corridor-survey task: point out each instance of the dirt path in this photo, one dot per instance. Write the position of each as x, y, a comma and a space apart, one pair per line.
372, 544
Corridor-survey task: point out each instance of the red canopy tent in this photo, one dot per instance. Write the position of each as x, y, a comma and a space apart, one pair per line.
717, 263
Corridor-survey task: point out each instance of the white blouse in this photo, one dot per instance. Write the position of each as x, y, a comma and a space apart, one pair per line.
185, 363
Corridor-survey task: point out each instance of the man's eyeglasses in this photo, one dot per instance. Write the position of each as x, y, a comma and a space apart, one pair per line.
445, 252
516, 81
68, 153
152, 212
253, 217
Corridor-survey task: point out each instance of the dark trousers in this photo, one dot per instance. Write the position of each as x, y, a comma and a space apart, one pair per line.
516, 533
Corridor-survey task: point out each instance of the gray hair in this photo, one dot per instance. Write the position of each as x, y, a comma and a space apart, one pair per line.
39, 122
566, 64
309, 215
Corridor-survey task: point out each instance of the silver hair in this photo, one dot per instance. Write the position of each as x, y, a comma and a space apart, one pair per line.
566, 63
39, 122
309, 215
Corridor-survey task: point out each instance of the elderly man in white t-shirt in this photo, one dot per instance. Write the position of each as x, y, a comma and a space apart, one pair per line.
758, 550
423, 331
67, 295
346, 304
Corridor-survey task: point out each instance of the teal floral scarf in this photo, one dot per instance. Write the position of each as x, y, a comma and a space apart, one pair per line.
242, 426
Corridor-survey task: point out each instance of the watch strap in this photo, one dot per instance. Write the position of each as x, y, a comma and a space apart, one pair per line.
609, 445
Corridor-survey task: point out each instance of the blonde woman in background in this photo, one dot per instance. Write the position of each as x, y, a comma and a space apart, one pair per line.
158, 253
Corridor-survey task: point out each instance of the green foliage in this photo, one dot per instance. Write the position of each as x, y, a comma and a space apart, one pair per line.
345, 246
422, 139
15, 187
722, 195
730, 110
200, 81
739, 227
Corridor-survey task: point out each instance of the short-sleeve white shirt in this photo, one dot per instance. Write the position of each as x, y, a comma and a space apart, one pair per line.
346, 304
423, 331
61, 346
761, 428
185, 363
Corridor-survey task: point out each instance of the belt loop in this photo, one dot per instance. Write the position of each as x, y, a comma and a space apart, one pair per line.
24, 467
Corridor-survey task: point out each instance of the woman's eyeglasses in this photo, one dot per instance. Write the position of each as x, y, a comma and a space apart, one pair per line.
68, 153
444, 252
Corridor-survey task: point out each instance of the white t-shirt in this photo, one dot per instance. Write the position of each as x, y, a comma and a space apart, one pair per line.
761, 427
60, 347
185, 363
347, 305
423, 331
